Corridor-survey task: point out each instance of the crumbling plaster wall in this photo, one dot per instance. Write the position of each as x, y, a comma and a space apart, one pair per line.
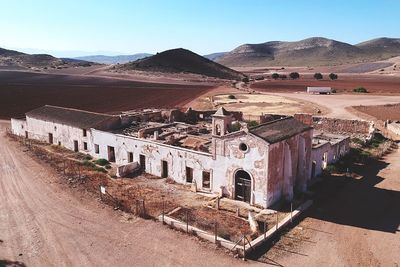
65, 134
285, 175
18, 126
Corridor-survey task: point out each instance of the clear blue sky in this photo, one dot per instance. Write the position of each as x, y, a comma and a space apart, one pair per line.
203, 26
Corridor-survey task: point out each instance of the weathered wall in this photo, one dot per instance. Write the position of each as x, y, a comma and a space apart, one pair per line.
334, 125
334, 153
65, 134
394, 128
18, 126
285, 175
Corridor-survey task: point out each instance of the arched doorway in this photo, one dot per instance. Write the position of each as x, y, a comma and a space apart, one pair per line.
242, 186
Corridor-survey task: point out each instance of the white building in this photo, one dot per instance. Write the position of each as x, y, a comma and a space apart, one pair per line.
319, 90
260, 165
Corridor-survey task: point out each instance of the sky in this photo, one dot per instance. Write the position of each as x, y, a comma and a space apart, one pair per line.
84, 27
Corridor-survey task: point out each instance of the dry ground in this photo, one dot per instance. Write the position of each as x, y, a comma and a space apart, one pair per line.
354, 222
375, 84
337, 105
24, 91
381, 112
45, 223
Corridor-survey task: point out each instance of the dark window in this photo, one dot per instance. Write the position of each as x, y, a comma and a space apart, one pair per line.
243, 147
59, 143
84, 132
26, 134
76, 146
50, 138
206, 180
130, 157
96, 149
189, 175
84, 146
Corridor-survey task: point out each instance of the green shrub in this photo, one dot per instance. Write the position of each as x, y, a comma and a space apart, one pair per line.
231, 97
88, 164
360, 90
294, 75
108, 167
275, 76
102, 162
88, 157
318, 76
252, 124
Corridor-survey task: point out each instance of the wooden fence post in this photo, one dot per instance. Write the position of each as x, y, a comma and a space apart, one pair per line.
187, 221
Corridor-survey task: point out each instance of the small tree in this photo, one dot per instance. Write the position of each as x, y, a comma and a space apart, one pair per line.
333, 76
275, 76
294, 75
318, 76
360, 90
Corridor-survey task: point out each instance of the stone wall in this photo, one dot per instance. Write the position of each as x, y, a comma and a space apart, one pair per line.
339, 126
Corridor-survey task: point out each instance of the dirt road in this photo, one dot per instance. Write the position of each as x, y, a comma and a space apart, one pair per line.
45, 223
355, 223
337, 103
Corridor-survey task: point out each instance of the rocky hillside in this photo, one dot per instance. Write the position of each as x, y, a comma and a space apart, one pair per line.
18, 60
310, 52
181, 61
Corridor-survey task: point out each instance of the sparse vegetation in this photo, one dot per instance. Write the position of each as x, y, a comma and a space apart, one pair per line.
245, 79
283, 76
360, 90
231, 97
252, 124
275, 76
102, 162
294, 75
333, 76
318, 76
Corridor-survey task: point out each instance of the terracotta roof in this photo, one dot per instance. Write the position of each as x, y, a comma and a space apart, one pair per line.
279, 130
69, 116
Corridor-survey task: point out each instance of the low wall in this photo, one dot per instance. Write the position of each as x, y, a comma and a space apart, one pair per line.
339, 126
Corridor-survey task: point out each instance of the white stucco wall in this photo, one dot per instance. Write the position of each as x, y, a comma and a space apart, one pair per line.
18, 127
62, 133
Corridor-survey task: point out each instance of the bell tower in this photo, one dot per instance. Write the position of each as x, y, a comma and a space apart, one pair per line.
221, 121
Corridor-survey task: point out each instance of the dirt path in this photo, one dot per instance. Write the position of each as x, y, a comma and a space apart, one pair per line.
45, 223
358, 223
337, 104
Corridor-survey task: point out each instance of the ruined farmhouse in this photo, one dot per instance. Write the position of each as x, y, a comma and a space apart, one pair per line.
214, 151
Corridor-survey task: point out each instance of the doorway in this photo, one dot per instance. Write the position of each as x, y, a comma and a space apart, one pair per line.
111, 153
242, 186
142, 162
164, 170
313, 166
76, 146
50, 138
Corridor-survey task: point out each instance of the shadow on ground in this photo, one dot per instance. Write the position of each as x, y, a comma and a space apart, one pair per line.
8, 263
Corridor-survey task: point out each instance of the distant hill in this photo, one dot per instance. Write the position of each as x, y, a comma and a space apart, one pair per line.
314, 51
215, 56
15, 59
113, 59
181, 61
383, 48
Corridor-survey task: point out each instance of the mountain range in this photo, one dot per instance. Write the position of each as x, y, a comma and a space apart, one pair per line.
315, 51
102, 59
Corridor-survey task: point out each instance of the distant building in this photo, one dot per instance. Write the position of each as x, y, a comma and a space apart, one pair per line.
319, 90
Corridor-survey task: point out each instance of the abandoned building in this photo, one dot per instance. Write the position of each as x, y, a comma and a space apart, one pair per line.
213, 151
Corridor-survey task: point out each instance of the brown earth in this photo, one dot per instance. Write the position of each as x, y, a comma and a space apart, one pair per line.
24, 91
383, 112
353, 222
375, 84
45, 222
